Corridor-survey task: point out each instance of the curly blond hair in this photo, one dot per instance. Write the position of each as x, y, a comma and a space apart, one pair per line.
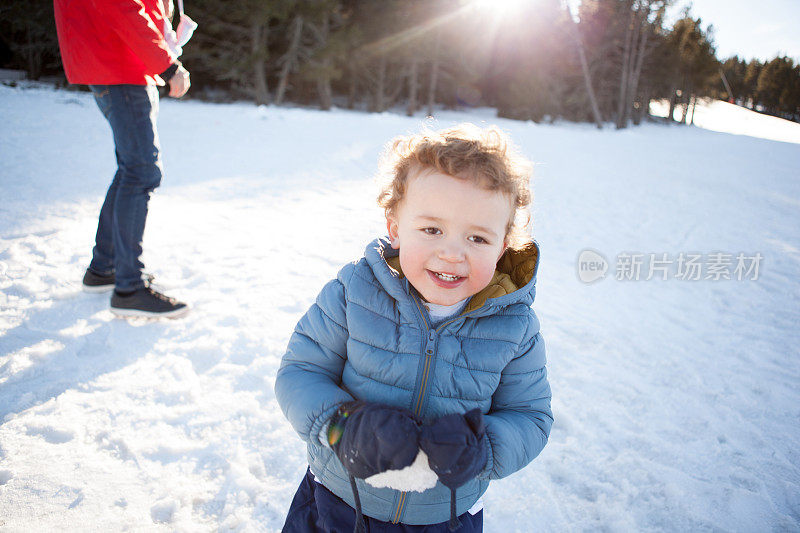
485, 156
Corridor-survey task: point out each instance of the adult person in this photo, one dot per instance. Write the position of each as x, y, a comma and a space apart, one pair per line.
118, 48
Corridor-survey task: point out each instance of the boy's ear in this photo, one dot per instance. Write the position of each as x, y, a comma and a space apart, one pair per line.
391, 227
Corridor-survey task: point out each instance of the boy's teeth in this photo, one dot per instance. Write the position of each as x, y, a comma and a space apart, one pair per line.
446, 277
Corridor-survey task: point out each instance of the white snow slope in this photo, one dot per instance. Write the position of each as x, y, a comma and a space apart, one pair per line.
676, 402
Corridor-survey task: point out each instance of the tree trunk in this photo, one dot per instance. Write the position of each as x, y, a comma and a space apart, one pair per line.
727, 86
622, 97
412, 88
324, 89
434, 77
32, 55
258, 35
672, 103
694, 104
637, 60
352, 90
644, 108
587, 79
380, 87
324, 76
289, 59
685, 97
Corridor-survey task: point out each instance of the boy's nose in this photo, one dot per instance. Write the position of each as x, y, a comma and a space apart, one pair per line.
451, 252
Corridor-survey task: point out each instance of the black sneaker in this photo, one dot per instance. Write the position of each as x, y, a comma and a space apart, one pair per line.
96, 283
93, 282
148, 303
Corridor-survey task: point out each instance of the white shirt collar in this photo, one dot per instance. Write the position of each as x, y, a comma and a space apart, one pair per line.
441, 312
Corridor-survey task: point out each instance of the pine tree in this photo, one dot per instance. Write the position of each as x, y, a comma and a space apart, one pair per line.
777, 87
30, 31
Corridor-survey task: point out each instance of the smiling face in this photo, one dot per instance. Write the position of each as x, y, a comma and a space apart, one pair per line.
450, 233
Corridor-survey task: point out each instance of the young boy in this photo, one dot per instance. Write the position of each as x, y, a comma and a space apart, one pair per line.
424, 360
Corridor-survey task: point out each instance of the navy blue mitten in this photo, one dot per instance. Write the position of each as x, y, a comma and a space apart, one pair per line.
456, 447
370, 438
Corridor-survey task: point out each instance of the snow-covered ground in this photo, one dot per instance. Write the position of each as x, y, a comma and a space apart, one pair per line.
677, 402
717, 115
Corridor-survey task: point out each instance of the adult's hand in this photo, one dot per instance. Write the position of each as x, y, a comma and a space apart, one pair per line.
179, 83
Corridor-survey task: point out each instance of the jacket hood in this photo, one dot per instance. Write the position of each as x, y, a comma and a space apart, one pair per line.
514, 279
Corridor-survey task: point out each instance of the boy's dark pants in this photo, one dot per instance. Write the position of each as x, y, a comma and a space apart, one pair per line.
315, 509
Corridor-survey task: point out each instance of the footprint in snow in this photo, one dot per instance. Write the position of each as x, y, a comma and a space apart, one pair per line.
51, 435
163, 512
77, 501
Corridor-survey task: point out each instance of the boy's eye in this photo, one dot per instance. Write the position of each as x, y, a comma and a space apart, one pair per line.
431, 231
478, 239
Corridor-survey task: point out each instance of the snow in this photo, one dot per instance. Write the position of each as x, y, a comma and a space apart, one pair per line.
722, 116
676, 402
417, 476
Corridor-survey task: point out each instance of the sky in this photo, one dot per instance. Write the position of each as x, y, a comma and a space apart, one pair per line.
750, 30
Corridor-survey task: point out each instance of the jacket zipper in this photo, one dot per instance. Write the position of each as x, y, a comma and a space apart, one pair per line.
429, 349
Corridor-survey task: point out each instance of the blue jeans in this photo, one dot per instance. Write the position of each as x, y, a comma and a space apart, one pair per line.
131, 110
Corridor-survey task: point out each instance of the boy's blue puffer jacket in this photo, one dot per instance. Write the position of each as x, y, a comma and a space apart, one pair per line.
368, 337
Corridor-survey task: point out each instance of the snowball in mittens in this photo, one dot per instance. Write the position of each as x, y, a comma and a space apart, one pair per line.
417, 477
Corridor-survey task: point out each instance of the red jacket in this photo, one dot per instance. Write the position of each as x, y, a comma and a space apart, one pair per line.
111, 42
